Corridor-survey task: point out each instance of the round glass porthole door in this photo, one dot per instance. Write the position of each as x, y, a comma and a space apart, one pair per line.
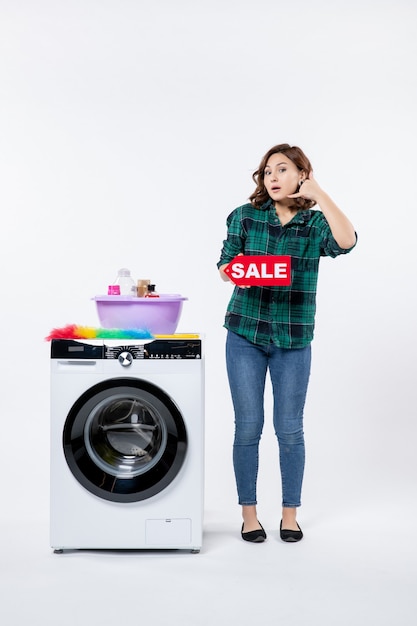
125, 440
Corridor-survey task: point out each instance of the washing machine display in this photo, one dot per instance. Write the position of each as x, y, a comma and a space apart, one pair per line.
127, 444
125, 440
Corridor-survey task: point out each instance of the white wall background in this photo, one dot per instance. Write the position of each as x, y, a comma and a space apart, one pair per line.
129, 130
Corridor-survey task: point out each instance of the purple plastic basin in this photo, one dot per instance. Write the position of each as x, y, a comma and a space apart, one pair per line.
160, 316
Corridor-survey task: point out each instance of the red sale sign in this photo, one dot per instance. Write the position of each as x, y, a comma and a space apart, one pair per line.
261, 271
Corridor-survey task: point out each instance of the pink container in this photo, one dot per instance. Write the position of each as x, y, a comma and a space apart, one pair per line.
159, 316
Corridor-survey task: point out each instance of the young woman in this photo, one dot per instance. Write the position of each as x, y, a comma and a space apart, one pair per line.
271, 328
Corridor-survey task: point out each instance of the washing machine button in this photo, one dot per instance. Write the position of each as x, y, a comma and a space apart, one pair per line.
125, 359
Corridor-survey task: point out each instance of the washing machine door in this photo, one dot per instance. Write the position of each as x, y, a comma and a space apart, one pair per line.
125, 440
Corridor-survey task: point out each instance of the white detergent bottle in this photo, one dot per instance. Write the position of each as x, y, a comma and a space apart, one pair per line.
126, 283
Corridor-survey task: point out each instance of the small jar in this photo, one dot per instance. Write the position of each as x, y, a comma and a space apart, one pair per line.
142, 287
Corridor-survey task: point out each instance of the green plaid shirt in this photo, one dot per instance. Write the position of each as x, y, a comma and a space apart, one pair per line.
282, 315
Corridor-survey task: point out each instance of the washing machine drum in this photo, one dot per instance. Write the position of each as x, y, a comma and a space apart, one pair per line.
125, 440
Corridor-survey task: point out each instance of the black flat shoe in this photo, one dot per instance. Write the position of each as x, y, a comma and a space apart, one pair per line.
254, 536
290, 536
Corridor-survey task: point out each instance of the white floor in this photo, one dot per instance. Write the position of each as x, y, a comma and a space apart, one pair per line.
342, 573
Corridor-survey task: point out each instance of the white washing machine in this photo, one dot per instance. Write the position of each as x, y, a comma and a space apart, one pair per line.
127, 444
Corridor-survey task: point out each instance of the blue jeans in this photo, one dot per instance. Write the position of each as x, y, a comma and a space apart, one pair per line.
247, 365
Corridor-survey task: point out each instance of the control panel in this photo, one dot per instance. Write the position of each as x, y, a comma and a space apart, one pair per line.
158, 349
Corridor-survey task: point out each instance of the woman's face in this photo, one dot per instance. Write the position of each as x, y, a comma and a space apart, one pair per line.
281, 177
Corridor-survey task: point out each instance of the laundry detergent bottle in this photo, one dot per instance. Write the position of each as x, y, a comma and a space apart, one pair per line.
126, 283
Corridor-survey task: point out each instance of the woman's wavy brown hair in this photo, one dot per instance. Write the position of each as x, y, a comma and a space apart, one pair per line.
297, 156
